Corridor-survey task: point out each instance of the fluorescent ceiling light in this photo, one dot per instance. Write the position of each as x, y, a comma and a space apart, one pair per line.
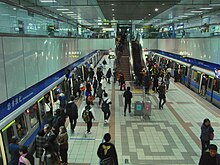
56, 6
206, 8
196, 11
67, 12
189, 14
214, 4
156, 9
47, 1
71, 14
113, 9
62, 9
183, 16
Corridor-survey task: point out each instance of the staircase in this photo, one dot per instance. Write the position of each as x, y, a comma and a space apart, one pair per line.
124, 65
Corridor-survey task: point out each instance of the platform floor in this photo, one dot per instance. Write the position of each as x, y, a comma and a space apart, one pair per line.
171, 136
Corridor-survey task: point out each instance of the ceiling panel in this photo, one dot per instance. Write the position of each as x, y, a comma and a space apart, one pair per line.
134, 10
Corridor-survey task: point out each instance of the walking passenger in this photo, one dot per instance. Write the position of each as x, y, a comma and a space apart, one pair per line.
155, 83
107, 152
106, 108
72, 112
40, 142
94, 85
103, 82
121, 81
62, 140
206, 134
88, 115
211, 157
128, 96
108, 75
100, 92
167, 80
25, 158
14, 151
162, 95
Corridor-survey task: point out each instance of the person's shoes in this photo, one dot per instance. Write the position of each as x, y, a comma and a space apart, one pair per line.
105, 121
125, 114
89, 132
129, 111
162, 107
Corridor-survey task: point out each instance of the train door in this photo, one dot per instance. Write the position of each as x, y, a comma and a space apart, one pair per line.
216, 92
203, 82
7, 133
18, 128
3, 159
209, 91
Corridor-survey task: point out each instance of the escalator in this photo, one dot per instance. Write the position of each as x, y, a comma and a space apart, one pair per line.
138, 62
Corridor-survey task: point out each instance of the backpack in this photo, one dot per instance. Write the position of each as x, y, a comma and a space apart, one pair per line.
85, 115
105, 106
107, 161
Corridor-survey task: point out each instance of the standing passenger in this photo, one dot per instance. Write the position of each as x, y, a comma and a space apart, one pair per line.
62, 140
206, 131
14, 151
25, 158
94, 85
162, 95
40, 142
128, 96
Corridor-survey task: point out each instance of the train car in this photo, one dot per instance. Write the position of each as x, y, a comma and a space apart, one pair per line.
26, 113
197, 75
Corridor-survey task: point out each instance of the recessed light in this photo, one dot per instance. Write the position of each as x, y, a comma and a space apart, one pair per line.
156, 9
113, 9
67, 12
196, 11
113, 14
149, 14
206, 8
163, 4
62, 9
113, 4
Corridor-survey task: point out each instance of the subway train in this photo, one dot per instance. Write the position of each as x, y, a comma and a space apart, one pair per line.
191, 73
24, 114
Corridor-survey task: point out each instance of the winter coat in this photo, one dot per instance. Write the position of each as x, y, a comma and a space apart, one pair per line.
205, 132
62, 140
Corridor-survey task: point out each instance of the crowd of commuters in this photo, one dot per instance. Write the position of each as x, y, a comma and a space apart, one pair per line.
51, 142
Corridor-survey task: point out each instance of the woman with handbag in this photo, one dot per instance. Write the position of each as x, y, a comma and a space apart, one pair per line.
207, 134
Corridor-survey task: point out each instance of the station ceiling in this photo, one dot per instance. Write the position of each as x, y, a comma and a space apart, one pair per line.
141, 12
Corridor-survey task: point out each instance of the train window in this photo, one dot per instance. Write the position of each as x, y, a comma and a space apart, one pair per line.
10, 133
21, 126
216, 85
195, 74
42, 108
33, 114
186, 71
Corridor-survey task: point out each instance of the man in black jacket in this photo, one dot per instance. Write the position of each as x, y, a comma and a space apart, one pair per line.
127, 95
107, 152
211, 157
72, 112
